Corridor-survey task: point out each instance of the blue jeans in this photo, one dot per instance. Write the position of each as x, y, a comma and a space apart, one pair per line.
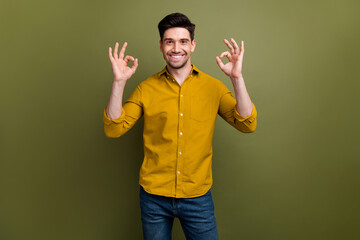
196, 216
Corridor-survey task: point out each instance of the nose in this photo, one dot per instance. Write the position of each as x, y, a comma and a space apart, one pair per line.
176, 47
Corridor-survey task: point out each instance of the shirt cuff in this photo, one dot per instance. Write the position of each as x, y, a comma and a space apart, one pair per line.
108, 120
250, 118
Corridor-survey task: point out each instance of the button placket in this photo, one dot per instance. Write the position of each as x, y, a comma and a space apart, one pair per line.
181, 134
180, 140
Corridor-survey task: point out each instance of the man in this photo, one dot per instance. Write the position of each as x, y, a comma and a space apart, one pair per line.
179, 105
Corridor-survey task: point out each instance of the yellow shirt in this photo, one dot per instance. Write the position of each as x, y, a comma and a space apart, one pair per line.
179, 123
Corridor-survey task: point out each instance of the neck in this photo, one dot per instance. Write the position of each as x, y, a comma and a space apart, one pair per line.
180, 74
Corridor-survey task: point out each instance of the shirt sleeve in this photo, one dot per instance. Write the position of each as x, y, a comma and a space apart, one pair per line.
227, 110
132, 111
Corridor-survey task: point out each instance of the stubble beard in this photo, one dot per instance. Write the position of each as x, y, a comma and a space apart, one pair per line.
178, 66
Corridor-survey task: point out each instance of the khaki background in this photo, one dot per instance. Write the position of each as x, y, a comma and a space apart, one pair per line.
296, 177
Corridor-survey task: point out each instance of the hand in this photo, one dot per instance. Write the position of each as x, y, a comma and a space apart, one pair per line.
234, 67
122, 72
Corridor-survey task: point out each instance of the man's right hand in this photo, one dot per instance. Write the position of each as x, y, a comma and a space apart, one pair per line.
122, 72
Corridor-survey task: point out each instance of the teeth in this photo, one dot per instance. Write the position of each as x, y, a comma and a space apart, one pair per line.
176, 56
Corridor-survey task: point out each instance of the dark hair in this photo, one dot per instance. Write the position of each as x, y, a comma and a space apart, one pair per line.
176, 20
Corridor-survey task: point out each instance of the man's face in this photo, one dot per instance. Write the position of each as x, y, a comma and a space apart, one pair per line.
176, 47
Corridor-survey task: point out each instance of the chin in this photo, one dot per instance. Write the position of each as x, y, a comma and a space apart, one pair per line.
177, 66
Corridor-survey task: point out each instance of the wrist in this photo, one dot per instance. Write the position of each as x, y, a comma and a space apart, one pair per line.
236, 81
119, 82
237, 78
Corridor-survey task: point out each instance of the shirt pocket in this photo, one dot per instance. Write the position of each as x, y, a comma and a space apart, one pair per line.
200, 108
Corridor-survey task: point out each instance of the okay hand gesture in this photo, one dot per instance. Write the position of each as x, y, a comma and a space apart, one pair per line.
234, 67
121, 70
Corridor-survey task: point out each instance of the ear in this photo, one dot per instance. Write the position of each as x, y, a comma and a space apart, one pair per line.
193, 45
160, 43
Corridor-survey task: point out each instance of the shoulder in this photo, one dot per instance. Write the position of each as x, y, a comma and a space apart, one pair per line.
214, 82
152, 83
207, 77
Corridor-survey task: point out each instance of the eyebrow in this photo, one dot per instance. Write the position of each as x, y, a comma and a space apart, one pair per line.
182, 39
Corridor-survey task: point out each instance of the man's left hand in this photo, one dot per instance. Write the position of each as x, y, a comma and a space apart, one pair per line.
234, 67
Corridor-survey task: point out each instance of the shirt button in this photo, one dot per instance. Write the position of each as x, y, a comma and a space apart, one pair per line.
180, 133
178, 172
181, 114
180, 153
181, 95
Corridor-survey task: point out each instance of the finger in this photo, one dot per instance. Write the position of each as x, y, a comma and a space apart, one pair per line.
236, 47
128, 59
122, 51
220, 63
116, 50
110, 55
226, 53
242, 49
135, 65
229, 46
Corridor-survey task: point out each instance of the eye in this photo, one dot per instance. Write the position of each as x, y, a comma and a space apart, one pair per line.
183, 41
168, 42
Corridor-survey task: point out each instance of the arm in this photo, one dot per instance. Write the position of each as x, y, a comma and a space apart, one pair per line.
233, 69
132, 110
118, 120
228, 111
122, 72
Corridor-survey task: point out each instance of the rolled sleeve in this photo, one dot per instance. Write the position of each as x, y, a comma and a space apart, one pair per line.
227, 110
250, 118
249, 121
109, 121
130, 114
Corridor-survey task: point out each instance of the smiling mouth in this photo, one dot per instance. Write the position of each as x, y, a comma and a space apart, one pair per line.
176, 56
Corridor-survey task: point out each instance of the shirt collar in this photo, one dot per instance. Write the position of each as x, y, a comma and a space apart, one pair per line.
165, 71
